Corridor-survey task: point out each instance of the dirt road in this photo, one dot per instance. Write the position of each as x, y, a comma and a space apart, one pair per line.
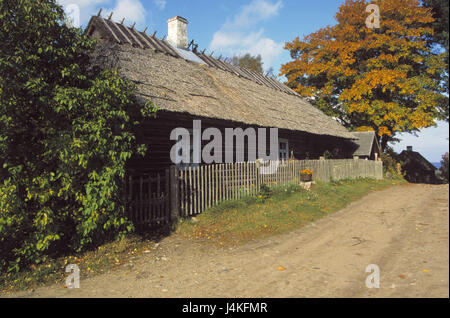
404, 230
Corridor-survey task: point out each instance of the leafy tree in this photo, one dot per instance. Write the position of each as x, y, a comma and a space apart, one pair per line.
440, 36
384, 79
66, 132
247, 61
440, 25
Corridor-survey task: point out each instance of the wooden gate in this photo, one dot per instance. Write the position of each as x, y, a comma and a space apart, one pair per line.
148, 199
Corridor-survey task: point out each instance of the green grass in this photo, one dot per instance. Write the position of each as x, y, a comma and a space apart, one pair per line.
287, 208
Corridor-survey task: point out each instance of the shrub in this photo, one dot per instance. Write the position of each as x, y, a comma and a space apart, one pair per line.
265, 192
390, 163
66, 132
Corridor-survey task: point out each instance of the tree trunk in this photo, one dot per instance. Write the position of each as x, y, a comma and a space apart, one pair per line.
384, 141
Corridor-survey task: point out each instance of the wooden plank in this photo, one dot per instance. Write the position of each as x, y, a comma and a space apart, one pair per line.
122, 33
202, 188
235, 185
198, 202
210, 186
141, 201
172, 179
190, 190
134, 37
182, 194
216, 184
168, 196
110, 30
158, 195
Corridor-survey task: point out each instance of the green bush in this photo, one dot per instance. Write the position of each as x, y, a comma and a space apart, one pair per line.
390, 162
66, 132
265, 192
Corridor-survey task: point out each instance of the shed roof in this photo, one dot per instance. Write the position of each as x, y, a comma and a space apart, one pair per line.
215, 89
365, 141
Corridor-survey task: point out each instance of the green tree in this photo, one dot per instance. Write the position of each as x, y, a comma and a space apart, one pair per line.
440, 37
440, 25
66, 132
384, 79
247, 61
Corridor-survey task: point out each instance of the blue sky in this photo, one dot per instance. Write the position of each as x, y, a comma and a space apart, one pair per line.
236, 27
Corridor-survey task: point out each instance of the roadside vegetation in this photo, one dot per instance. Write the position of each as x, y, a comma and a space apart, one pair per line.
67, 130
278, 209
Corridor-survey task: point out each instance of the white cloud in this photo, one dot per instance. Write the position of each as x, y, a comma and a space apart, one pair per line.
131, 10
240, 35
161, 4
254, 12
87, 7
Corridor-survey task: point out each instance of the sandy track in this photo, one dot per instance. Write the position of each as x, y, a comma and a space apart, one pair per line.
404, 230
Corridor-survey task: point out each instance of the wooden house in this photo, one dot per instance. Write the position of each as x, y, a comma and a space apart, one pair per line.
417, 169
186, 84
368, 145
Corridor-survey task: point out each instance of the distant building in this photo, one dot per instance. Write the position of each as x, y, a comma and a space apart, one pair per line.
367, 145
417, 169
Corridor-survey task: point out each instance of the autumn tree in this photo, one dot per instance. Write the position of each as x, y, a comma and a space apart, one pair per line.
247, 61
385, 79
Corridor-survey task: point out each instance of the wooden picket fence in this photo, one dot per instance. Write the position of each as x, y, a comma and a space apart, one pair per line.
157, 200
205, 186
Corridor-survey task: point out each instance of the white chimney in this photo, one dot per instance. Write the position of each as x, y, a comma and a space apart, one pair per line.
177, 34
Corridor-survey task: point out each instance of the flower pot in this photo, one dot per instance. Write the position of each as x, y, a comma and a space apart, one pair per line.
306, 177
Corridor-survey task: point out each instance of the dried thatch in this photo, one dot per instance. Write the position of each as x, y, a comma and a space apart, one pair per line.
177, 85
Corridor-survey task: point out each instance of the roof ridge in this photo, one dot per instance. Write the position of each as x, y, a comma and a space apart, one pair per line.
122, 34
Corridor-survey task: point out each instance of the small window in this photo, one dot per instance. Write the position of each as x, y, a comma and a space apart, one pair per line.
283, 149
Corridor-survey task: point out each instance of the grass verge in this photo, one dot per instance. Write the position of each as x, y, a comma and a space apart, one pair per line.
279, 210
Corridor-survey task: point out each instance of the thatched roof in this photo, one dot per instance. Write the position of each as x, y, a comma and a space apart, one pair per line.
365, 141
215, 89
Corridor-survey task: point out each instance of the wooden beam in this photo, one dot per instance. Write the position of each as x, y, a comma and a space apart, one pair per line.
110, 30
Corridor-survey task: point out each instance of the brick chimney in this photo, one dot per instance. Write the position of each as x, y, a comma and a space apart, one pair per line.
177, 32
409, 148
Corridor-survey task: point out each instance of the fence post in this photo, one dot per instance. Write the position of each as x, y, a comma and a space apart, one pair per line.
174, 195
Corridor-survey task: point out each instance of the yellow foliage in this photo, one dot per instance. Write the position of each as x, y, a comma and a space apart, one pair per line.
375, 71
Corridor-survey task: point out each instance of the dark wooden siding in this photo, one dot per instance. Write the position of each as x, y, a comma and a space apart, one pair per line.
155, 133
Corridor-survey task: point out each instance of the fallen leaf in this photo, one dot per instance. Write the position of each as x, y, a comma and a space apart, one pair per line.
402, 276
281, 268
425, 270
